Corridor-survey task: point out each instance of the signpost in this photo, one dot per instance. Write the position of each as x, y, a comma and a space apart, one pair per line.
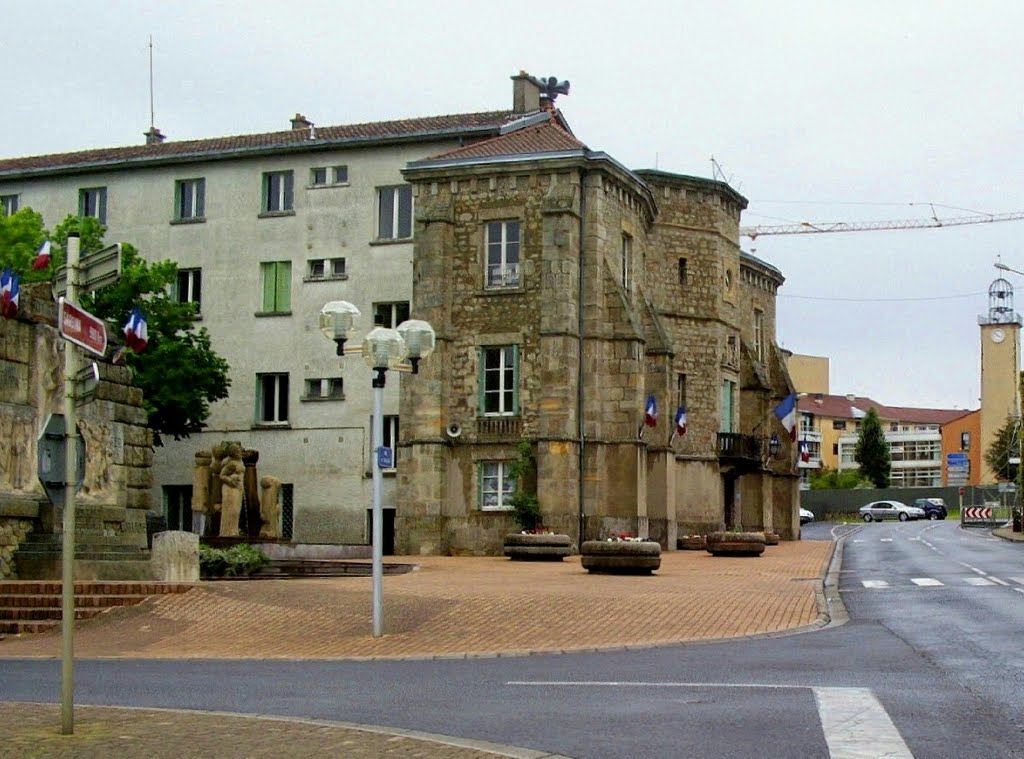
52, 462
82, 328
958, 469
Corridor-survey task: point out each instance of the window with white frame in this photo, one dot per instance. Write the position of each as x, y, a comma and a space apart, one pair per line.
626, 260
759, 334
324, 389
325, 176
277, 286
92, 201
502, 254
9, 204
394, 212
178, 507
496, 485
278, 192
189, 199
499, 380
325, 268
390, 314
681, 389
806, 422
189, 287
728, 405
272, 398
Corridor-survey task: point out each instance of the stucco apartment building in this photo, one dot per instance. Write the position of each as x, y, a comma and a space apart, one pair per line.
564, 288
927, 446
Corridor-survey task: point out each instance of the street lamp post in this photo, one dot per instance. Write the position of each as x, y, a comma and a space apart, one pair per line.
382, 349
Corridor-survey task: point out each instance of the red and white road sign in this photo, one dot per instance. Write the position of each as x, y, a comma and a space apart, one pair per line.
977, 512
82, 328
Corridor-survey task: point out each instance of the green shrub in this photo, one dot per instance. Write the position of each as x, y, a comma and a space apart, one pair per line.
237, 561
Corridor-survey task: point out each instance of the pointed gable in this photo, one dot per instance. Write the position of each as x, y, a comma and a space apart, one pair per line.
546, 137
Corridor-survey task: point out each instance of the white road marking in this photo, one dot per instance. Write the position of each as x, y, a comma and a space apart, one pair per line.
1019, 590
997, 581
854, 722
1018, 580
875, 583
856, 725
978, 581
886, 540
926, 581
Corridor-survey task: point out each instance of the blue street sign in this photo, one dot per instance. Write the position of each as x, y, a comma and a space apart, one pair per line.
386, 457
956, 457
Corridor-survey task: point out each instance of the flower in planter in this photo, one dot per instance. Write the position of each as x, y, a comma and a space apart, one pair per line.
537, 531
624, 537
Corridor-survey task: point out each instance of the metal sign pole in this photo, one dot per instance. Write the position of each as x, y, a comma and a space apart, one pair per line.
71, 368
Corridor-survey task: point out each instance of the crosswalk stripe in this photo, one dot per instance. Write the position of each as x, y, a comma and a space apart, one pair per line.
875, 583
926, 581
978, 581
856, 725
1018, 580
886, 540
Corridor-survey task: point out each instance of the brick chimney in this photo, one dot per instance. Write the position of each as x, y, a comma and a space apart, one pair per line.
301, 122
153, 136
525, 94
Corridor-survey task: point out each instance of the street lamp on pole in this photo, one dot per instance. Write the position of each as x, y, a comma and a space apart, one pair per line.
383, 348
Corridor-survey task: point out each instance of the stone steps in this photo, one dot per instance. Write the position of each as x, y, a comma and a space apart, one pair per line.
31, 606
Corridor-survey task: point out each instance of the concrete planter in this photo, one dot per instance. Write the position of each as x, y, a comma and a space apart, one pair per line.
771, 538
691, 543
620, 556
736, 543
531, 547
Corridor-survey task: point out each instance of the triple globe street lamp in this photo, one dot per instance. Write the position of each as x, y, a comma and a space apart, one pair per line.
382, 349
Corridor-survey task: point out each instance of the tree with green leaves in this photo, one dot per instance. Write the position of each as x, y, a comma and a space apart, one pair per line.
1005, 446
179, 373
872, 450
834, 479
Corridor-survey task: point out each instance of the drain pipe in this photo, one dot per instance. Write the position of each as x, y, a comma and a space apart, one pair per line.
581, 374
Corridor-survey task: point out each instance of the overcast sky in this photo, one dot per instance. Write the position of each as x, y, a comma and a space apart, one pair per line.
819, 112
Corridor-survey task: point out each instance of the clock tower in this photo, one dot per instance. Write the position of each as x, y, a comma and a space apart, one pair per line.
1000, 367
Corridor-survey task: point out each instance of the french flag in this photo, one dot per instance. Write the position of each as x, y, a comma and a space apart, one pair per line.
680, 421
805, 451
42, 259
651, 412
786, 413
136, 333
9, 293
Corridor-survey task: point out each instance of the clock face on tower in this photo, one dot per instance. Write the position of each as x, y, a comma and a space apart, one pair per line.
998, 336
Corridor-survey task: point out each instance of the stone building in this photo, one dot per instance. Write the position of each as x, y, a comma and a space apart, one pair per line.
621, 284
565, 290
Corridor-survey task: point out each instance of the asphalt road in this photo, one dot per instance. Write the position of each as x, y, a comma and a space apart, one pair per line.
919, 670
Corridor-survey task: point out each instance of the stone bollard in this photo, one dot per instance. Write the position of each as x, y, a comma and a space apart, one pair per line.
175, 556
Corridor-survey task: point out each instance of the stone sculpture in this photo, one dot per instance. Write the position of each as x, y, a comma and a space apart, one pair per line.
270, 508
232, 472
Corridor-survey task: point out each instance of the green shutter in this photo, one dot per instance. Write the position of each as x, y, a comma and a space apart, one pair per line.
177, 200
283, 296
268, 286
515, 380
480, 381
263, 201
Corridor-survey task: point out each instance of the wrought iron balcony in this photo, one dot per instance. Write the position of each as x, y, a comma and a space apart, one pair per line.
736, 448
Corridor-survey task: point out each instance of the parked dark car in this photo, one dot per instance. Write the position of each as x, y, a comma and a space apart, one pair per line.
934, 508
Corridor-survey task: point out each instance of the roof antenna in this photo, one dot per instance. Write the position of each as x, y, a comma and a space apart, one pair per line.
151, 116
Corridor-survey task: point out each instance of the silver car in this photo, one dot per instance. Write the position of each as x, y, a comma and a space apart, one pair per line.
876, 511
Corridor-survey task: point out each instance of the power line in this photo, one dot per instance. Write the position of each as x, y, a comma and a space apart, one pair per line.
882, 300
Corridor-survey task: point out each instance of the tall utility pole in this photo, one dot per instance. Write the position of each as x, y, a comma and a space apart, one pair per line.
71, 368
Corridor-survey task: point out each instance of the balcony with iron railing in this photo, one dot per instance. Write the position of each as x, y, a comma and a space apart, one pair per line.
744, 451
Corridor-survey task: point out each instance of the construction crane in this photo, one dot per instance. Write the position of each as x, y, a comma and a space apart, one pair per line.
808, 228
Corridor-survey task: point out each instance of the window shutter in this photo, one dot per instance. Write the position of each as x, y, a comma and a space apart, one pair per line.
289, 184
283, 294
404, 212
265, 197
515, 380
268, 286
480, 373
102, 205
200, 197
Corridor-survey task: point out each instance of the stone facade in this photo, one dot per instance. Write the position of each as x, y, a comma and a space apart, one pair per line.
627, 284
114, 497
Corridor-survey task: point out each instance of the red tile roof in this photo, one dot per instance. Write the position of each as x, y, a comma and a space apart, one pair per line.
547, 137
486, 123
842, 407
